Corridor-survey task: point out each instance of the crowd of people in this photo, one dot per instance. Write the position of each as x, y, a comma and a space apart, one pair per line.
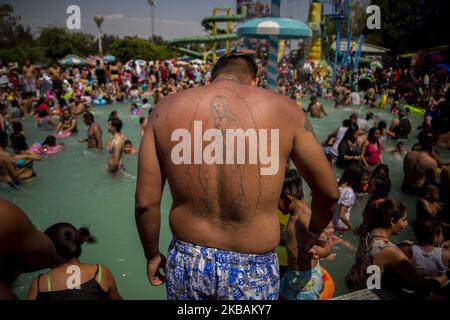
57, 98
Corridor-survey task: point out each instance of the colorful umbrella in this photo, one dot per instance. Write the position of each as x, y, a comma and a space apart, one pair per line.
72, 60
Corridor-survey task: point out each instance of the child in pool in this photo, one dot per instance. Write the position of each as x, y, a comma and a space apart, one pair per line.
134, 109
303, 278
129, 149
328, 235
399, 150
50, 142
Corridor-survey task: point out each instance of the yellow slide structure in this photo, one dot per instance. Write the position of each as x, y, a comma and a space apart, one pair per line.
314, 20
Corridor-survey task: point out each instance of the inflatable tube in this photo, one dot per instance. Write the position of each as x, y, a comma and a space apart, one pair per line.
36, 148
328, 285
137, 112
99, 102
63, 134
416, 110
383, 101
68, 95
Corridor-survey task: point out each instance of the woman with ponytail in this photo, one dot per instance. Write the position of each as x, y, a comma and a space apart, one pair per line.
70, 279
387, 218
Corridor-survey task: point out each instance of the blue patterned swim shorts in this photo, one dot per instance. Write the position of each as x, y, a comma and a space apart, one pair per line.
194, 272
302, 285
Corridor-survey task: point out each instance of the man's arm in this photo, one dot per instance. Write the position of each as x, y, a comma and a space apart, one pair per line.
19, 238
310, 159
150, 185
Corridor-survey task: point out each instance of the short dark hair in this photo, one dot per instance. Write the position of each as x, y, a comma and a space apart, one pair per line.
117, 124
88, 116
426, 230
233, 63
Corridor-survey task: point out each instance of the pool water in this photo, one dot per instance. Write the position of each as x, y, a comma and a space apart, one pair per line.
74, 187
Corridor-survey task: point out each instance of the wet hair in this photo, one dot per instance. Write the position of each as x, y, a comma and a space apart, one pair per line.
353, 116
128, 142
425, 230
141, 120
17, 127
371, 135
399, 144
68, 240
50, 141
428, 187
88, 116
346, 123
117, 124
352, 176
381, 213
379, 169
145, 100
292, 185
237, 64
19, 143
369, 116
113, 115
426, 141
349, 133
382, 187
382, 125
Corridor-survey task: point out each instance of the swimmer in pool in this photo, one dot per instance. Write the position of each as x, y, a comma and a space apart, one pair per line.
129, 149
115, 146
94, 133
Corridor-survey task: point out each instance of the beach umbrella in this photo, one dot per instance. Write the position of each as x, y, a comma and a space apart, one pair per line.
282, 28
109, 58
72, 60
274, 29
376, 65
141, 62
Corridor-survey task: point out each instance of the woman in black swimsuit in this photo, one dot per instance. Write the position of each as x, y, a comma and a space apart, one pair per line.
70, 279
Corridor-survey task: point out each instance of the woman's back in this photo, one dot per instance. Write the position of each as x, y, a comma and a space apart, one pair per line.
54, 285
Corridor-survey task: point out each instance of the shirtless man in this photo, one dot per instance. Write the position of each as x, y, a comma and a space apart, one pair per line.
418, 165
316, 109
225, 209
94, 133
23, 248
55, 73
77, 107
29, 81
115, 146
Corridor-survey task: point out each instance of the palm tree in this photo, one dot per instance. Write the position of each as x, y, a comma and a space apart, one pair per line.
99, 20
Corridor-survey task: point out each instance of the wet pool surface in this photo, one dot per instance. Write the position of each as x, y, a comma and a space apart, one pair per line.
74, 187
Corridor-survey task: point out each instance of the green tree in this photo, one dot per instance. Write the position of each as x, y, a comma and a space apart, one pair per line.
58, 42
136, 48
12, 32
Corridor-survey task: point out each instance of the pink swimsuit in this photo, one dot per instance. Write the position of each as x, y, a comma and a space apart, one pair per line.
373, 158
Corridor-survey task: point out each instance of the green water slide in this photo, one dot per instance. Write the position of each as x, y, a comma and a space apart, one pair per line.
207, 23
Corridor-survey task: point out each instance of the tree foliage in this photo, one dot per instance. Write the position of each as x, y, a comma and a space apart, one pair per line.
136, 48
58, 42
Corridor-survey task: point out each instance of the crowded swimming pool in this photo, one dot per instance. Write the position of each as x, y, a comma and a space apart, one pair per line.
74, 187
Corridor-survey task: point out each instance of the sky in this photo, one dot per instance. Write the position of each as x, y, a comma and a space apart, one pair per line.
173, 18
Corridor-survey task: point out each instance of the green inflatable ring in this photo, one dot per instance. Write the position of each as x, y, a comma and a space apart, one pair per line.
416, 110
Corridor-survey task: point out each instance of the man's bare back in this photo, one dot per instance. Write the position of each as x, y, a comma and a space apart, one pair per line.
417, 165
94, 137
229, 206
